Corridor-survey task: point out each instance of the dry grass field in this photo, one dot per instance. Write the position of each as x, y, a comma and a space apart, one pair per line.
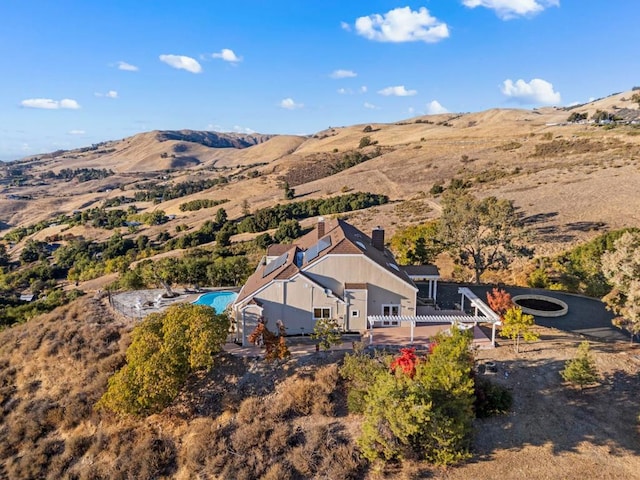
568, 180
248, 420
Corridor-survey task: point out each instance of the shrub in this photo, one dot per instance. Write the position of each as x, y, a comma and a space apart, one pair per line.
491, 398
538, 279
581, 370
436, 189
429, 415
365, 142
327, 332
165, 348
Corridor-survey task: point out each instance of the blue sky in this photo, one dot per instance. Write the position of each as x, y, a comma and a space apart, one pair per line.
77, 72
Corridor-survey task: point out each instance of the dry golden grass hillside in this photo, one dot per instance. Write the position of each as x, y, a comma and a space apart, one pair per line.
569, 180
250, 420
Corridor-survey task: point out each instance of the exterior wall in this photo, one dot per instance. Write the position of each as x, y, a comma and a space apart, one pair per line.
247, 320
383, 287
293, 301
357, 300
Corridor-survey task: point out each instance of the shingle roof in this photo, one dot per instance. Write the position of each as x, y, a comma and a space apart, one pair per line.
277, 249
345, 239
421, 270
258, 280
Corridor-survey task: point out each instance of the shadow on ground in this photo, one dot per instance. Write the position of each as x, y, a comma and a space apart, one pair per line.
547, 412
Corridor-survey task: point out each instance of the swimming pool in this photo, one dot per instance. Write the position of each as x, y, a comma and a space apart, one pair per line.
218, 300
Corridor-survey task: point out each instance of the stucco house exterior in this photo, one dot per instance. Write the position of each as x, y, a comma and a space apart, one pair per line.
335, 271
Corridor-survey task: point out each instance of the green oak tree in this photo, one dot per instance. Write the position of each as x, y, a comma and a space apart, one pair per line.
482, 234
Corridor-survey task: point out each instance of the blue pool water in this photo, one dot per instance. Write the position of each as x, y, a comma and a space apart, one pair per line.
218, 300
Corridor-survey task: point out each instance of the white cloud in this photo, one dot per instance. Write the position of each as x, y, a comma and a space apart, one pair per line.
349, 91
411, 110
343, 74
402, 25
508, 9
290, 104
345, 26
239, 129
49, 104
127, 67
109, 94
435, 108
69, 103
227, 55
370, 106
182, 63
537, 91
76, 132
398, 91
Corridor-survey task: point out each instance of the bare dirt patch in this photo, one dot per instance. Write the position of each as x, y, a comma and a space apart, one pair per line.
555, 431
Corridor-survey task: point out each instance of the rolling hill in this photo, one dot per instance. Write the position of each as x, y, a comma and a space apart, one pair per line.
569, 180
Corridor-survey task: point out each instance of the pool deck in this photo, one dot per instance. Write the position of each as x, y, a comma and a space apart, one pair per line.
140, 303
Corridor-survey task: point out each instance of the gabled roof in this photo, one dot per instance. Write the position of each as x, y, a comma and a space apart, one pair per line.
421, 270
263, 276
277, 249
340, 238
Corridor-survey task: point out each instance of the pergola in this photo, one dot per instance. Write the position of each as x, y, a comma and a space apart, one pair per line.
482, 314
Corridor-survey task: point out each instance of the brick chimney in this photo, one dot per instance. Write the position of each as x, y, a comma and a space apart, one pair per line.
377, 238
320, 227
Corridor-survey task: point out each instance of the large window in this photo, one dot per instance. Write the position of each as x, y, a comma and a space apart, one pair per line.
321, 312
390, 310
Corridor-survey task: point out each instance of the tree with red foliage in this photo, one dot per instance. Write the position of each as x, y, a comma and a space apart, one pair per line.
275, 345
406, 361
499, 301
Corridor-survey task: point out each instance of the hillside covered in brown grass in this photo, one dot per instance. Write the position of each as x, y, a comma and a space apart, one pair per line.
246, 419
568, 180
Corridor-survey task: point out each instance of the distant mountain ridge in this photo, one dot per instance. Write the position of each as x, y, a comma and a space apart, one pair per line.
214, 139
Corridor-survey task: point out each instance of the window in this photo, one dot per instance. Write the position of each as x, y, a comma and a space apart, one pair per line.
355, 313
390, 310
321, 312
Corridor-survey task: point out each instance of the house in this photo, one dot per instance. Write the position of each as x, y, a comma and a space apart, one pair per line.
335, 271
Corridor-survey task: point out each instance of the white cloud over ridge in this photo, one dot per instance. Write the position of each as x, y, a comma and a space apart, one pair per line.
240, 129
227, 55
182, 62
508, 9
337, 74
109, 94
50, 104
370, 106
537, 91
434, 108
76, 132
290, 104
402, 25
127, 67
397, 91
